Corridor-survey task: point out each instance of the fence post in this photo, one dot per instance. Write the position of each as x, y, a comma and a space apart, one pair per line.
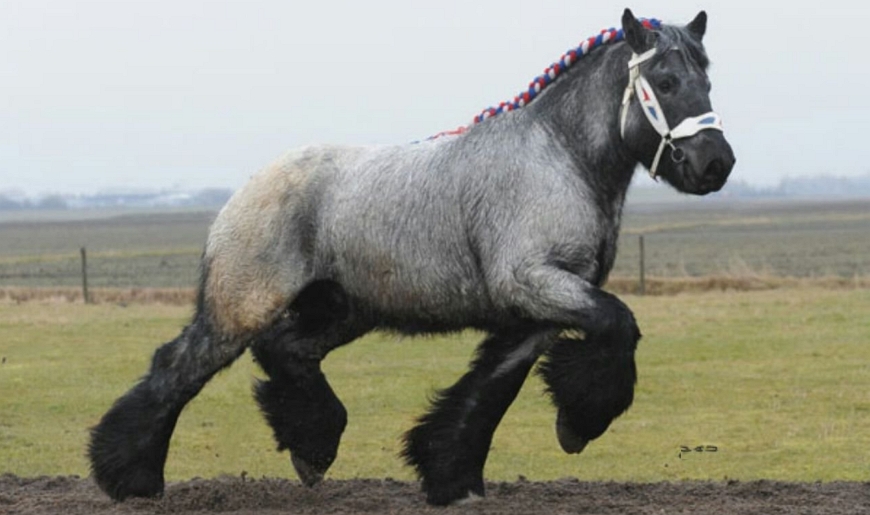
85, 276
642, 266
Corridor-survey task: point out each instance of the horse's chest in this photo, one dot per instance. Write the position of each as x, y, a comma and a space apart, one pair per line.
591, 258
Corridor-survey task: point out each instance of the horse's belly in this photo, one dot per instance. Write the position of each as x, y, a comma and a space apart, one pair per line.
441, 295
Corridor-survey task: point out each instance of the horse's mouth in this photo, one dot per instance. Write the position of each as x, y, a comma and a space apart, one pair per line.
713, 178
710, 185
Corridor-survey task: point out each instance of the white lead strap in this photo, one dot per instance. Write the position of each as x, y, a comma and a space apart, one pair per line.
652, 110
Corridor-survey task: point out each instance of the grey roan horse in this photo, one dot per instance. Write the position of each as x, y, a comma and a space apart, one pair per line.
509, 227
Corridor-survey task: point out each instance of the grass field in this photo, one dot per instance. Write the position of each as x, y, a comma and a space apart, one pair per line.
778, 381
694, 239
159, 249
796, 239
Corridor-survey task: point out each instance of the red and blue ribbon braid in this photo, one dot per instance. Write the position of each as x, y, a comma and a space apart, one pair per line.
552, 72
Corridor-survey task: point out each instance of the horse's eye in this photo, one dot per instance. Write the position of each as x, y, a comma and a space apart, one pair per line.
667, 85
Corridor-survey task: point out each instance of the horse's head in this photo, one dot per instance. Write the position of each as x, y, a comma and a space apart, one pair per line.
667, 120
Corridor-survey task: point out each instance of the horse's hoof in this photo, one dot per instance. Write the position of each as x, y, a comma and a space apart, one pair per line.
136, 483
453, 495
571, 442
472, 498
124, 461
307, 474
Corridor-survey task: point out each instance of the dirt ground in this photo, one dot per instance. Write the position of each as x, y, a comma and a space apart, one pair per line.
237, 495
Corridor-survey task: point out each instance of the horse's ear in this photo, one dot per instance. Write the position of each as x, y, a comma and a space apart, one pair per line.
636, 35
698, 26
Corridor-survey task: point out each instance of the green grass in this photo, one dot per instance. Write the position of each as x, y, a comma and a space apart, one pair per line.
779, 381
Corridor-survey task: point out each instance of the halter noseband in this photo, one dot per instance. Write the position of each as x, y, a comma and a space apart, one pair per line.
638, 85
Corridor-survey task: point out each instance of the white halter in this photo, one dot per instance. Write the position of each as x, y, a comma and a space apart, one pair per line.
638, 85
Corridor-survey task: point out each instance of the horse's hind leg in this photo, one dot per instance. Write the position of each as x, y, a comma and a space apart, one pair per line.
129, 445
306, 416
450, 444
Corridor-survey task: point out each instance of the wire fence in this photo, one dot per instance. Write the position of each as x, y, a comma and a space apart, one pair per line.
641, 257
164, 251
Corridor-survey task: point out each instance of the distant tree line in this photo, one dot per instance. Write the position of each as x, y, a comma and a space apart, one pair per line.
820, 186
50, 202
208, 197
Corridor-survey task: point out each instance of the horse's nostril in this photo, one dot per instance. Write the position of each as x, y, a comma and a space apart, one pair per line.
716, 169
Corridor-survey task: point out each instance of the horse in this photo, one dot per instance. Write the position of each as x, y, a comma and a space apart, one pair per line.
508, 226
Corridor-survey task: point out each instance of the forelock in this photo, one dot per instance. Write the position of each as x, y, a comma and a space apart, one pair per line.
671, 36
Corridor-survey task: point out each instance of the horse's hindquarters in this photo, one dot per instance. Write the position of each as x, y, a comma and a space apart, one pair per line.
255, 260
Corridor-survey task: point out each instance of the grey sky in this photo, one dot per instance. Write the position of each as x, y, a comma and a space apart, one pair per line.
115, 94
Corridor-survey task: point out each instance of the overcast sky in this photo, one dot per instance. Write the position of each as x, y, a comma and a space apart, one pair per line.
97, 95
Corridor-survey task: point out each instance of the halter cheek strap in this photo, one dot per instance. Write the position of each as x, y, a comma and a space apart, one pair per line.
652, 110
633, 74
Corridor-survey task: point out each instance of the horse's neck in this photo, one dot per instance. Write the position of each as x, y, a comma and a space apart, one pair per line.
581, 110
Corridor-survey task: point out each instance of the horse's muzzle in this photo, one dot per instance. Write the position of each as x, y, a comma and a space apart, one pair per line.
709, 161
717, 171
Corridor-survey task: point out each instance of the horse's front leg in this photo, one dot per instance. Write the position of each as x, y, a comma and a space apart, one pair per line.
591, 381
591, 376
450, 444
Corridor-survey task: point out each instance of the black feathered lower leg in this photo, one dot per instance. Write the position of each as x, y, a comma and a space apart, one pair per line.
128, 446
449, 446
591, 381
306, 416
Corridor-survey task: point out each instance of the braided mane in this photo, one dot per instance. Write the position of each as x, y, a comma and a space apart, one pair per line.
551, 73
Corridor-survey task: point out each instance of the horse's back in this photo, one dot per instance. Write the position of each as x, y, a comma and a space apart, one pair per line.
257, 255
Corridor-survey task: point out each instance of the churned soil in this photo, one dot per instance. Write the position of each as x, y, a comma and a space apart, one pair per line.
71, 495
